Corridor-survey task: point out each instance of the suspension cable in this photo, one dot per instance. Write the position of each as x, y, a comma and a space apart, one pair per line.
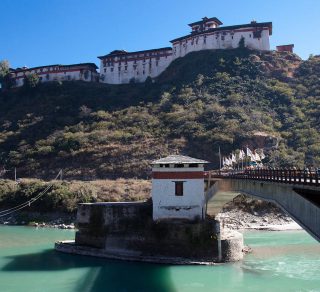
27, 203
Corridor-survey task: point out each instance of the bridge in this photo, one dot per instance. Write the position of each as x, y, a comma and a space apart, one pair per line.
297, 192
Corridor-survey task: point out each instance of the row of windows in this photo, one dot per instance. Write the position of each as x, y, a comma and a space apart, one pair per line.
256, 34
111, 63
134, 67
179, 165
152, 54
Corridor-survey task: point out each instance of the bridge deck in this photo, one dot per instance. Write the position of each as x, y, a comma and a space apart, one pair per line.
297, 177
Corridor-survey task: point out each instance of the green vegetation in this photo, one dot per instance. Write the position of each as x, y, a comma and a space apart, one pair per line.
4, 74
64, 196
204, 100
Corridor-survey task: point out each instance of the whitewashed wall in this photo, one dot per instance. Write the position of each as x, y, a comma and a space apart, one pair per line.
220, 40
167, 205
139, 71
46, 76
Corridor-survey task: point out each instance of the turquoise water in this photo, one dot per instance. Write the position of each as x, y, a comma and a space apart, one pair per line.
281, 261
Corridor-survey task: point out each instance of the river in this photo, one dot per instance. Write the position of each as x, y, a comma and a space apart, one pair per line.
281, 261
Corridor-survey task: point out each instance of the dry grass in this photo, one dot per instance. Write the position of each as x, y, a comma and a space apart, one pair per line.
66, 195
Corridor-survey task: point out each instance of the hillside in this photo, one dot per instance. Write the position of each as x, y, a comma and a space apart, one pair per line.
202, 101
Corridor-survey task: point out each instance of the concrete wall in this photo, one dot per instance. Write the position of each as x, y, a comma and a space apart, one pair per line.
303, 211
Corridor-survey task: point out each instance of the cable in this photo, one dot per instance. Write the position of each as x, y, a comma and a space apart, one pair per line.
27, 203
35, 198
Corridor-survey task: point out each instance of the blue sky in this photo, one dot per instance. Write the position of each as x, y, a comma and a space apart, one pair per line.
42, 32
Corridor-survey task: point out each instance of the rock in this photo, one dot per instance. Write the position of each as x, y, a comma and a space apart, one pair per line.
247, 249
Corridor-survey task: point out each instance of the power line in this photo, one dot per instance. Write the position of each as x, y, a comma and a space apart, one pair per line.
27, 203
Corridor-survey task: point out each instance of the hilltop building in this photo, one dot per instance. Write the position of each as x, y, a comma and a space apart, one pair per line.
178, 188
285, 48
207, 34
84, 71
120, 66
124, 67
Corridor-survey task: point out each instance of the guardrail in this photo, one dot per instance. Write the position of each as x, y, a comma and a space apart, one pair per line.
289, 176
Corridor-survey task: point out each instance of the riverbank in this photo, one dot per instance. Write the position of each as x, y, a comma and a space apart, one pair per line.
246, 213
58, 207
243, 213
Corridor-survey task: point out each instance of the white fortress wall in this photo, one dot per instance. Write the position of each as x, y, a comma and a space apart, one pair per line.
220, 40
57, 73
134, 67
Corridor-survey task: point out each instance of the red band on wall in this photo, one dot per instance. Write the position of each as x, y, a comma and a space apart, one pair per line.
178, 175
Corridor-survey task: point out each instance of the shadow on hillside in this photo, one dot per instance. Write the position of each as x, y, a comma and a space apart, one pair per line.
103, 275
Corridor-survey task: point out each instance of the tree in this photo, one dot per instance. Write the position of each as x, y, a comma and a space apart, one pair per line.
31, 80
4, 73
242, 43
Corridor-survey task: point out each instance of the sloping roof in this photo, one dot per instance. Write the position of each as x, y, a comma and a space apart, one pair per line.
232, 27
125, 53
178, 159
93, 65
206, 19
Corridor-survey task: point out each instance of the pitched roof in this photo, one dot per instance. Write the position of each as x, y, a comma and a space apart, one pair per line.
93, 65
178, 159
206, 19
116, 53
232, 27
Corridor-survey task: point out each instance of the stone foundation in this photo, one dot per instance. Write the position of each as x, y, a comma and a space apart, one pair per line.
127, 231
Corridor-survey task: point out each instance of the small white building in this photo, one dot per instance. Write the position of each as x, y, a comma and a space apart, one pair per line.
83, 71
178, 189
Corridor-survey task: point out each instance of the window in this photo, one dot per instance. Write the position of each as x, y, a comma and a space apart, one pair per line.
178, 188
257, 34
193, 165
180, 165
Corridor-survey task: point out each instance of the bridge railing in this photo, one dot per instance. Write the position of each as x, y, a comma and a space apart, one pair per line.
292, 176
